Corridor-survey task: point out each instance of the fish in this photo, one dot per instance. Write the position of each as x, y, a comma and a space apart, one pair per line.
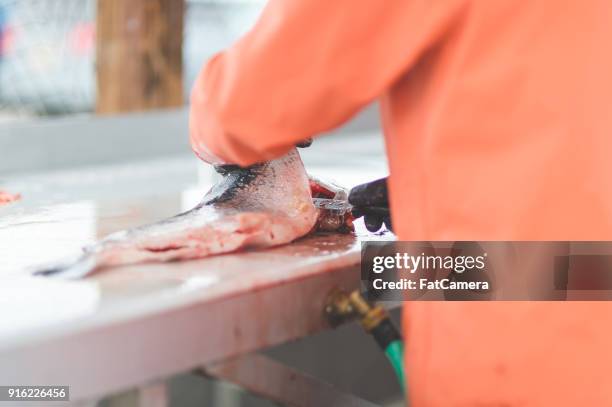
261, 206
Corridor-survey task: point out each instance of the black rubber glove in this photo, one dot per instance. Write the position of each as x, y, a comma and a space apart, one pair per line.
371, 201
304, 143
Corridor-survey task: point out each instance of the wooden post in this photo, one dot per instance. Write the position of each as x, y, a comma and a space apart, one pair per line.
139, 57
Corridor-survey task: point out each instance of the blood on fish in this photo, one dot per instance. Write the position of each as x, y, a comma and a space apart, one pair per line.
163, 249
318, 190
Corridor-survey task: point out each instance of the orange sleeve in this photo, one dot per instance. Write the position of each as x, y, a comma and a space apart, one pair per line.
306, 67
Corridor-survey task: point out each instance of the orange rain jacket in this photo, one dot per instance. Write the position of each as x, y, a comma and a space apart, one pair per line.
498, 125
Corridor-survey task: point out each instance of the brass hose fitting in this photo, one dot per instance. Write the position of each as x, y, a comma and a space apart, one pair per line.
342, 307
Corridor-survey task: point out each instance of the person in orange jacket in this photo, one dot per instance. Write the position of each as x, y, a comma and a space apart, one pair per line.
497, 124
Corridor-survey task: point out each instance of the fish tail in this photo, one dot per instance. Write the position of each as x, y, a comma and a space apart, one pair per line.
80, 268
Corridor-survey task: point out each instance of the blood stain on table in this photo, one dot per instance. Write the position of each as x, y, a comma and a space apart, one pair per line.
6, 197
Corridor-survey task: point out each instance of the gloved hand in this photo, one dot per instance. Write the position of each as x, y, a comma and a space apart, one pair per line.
371, 201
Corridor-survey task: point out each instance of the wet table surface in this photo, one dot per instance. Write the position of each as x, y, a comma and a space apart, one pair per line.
62, 211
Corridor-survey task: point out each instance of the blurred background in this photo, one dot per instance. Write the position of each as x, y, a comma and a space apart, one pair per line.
48, 50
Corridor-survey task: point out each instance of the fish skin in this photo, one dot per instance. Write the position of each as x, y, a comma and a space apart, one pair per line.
261, 206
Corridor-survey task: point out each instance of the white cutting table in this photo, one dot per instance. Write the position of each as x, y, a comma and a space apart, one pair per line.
132, 326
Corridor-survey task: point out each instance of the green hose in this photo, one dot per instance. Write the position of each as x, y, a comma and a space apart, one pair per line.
395, 354
374, 320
